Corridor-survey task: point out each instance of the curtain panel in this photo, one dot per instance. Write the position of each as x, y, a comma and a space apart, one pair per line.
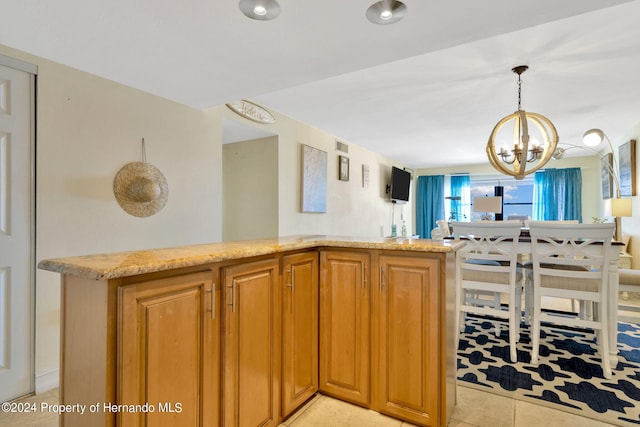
461, 187
557, 195
429, 203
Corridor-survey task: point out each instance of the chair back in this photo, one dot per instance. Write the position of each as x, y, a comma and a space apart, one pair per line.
491, 247
443, 225
576, 255
441, 231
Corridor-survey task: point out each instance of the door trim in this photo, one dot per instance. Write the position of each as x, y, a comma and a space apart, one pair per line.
18, 64
32, 70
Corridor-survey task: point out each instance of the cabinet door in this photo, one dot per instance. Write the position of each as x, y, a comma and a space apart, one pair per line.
251, 344
299, 330
406, 339
168, 353
344, 325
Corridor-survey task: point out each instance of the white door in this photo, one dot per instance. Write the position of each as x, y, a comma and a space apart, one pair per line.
16, 233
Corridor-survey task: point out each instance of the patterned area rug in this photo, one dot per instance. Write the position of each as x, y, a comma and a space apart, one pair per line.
568, 376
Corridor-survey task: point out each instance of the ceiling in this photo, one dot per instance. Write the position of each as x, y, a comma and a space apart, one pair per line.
424, 92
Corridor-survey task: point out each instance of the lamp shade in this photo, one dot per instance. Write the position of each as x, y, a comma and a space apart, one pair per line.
487, 204
621, 207
593, 137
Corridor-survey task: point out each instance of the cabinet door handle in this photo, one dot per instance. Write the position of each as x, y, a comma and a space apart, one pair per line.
381, 278
363, 276
292, 285
233, 295
213, 301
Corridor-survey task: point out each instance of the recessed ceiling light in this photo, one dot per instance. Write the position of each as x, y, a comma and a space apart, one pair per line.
386, 12
261, 10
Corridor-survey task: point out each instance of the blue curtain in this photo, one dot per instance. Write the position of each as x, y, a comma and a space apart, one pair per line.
429, 204
461, 187
557, 195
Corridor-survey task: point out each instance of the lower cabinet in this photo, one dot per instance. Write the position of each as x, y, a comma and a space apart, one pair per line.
245, 343
167, 358
345, 325
406, 352
251, 351
299, 329
380, 345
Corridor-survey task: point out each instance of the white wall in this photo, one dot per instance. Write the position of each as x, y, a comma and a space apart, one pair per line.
250, 189
87, 129
351, 209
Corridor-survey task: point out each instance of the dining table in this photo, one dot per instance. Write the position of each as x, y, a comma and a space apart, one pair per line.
524, 253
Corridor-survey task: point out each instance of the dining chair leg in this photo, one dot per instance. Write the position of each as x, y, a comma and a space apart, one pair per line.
603, 340
514, 316
535, 330
528, 296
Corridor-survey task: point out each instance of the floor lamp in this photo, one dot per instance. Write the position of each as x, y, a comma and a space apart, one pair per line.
619, 207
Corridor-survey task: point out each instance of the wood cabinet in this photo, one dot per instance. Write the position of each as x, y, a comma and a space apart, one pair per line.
245, 342
251, 344
299, 329
345, 325
407, 350
167, 355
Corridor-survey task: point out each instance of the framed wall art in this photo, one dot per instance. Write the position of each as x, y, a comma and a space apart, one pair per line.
314, 180
365, 176
343, 169
627, 165
606, 180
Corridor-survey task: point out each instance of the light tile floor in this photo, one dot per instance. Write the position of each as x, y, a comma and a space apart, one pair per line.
475, 408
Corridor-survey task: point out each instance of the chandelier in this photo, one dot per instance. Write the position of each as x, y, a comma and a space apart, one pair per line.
530, 144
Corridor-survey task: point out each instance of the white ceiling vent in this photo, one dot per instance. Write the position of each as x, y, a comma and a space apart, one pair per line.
341, 146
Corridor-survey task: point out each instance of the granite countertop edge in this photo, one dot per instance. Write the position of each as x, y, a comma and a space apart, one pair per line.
123, 264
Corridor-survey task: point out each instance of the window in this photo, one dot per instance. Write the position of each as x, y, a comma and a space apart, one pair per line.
517, 195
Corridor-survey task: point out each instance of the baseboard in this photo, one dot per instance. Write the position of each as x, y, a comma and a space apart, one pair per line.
47, 380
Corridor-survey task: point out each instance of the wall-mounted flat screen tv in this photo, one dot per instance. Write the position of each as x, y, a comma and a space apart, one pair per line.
400, 185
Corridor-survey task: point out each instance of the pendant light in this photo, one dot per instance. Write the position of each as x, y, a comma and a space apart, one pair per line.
519, 153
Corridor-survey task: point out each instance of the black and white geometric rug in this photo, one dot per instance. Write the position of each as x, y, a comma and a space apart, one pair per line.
568, 375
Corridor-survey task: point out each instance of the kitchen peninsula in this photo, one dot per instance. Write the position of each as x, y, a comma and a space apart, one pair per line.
244, 333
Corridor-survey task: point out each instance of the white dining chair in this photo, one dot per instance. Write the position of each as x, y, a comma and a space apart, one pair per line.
571, 261
441, 231
486, 268
528, 280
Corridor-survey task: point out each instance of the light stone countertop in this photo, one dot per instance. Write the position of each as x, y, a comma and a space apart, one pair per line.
123, 264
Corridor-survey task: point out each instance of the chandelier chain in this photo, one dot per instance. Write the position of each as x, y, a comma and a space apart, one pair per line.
519, 92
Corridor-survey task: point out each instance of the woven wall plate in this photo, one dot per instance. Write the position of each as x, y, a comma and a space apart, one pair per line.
251, 111
140, 189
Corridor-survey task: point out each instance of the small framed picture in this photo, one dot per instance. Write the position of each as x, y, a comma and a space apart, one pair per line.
365, 176
627, 164
606, 179
343, 170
